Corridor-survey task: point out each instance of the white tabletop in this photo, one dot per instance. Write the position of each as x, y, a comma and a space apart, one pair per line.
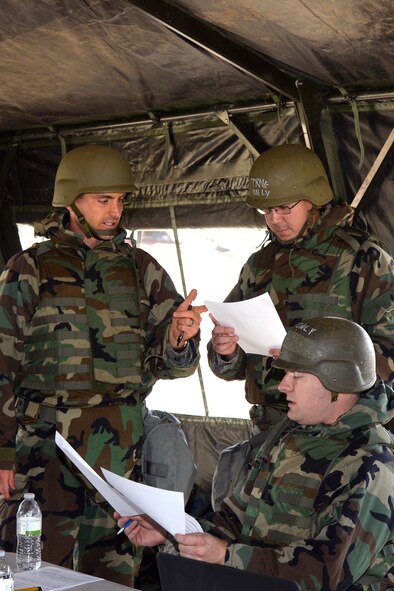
103, 585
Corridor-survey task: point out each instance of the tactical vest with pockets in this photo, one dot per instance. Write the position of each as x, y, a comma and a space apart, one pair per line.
87, 330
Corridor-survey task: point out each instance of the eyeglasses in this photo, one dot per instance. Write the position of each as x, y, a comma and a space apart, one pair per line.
281, 209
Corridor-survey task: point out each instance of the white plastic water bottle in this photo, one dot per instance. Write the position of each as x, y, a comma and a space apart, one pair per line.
6, 575
28, 532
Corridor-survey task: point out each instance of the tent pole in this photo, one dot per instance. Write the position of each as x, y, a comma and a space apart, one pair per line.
179, 254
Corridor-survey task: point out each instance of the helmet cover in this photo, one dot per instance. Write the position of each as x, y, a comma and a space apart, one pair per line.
287, 173
337, 351
91, 169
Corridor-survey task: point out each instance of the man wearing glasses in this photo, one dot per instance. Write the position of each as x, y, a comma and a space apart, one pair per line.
312, 263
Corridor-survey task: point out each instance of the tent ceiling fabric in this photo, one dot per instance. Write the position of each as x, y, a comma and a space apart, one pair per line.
77, 71
72, 60
67, 60
334, 42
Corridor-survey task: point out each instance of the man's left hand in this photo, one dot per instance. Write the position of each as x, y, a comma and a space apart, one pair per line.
202, 546
186, 321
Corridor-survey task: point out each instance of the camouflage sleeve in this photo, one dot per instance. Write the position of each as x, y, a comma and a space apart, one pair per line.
227, 370
372, 289
18, 298
163, 301
354, 536
183, 358
223, 524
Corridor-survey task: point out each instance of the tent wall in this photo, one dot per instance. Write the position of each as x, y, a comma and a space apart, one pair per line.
200, 166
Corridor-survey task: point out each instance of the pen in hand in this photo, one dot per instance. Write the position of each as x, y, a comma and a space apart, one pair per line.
124, 527
182, 334
179, 339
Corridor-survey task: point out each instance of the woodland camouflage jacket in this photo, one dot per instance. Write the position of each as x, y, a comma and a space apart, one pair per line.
338, 271
83, 327
318, 508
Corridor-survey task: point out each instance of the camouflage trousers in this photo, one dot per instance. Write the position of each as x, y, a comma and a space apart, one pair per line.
79, 530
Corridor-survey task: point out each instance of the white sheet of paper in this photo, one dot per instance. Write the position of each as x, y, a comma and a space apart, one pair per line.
256, 322
133, 498
118, 502
192, 525
166, 507
51, 578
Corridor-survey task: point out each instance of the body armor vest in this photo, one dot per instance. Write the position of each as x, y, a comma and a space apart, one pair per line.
86, 333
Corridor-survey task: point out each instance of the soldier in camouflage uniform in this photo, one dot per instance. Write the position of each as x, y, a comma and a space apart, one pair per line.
87, 325
315, 264
317, 506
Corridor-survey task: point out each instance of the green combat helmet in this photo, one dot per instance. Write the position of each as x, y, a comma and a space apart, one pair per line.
288, 173
91, 169
337, 351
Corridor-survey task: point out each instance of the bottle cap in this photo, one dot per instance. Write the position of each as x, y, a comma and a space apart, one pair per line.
29, 495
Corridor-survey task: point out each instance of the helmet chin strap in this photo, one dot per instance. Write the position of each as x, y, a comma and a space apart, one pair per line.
87, 229
309, 223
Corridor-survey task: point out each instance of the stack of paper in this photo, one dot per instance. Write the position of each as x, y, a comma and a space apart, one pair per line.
166, 507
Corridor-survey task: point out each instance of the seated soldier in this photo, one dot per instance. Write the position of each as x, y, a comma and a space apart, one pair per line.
317, 506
